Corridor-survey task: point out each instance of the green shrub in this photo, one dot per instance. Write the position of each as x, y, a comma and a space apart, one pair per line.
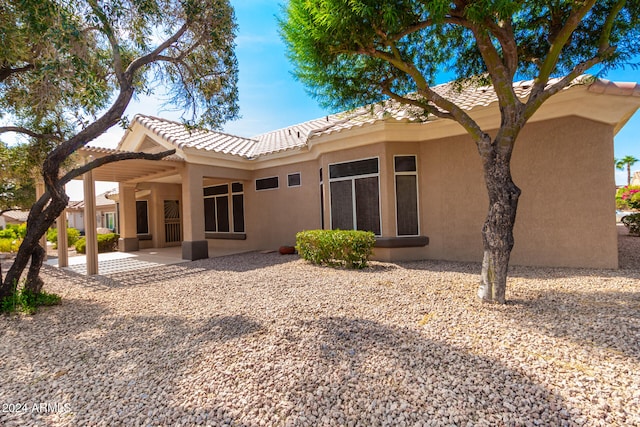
9, 245
350, 248
8, 234
19, 229
632, 222
72, 236
26, 301
106, 243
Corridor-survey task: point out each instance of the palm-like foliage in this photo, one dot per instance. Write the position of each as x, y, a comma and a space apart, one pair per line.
626, 161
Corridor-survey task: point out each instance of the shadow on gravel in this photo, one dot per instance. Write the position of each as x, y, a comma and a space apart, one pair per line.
604, 320
108, 368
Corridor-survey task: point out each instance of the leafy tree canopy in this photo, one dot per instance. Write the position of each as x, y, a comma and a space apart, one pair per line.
354, 52
62, 63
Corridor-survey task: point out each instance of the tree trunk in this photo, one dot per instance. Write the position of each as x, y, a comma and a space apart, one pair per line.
497, 232
39, 220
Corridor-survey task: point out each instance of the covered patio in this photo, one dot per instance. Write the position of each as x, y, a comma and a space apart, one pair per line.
168, 220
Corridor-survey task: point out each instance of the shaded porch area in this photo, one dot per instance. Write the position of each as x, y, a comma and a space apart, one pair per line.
119, 262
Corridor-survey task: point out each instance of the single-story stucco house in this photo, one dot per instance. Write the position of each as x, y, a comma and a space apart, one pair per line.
106, 216
417, 185
13, 218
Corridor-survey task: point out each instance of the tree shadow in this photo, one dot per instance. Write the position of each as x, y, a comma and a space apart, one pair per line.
606, 320
106, 367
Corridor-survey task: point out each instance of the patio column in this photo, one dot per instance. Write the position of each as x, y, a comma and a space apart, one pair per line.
40, 189
63, 247
194, 245
128, 241
90, 232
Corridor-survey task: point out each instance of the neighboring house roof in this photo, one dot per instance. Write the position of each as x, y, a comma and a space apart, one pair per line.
101, 201
18, 216
467, 97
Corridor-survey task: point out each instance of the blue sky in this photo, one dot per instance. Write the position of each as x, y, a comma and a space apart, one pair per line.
270, 98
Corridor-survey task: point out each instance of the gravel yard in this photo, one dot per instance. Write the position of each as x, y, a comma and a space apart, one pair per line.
265, 339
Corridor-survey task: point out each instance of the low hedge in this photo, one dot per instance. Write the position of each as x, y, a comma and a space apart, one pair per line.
349, 248
73, 234
106, 243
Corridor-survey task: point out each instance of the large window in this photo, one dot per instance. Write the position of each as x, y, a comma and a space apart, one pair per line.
142, 217
406, 176
355, 195
224, 208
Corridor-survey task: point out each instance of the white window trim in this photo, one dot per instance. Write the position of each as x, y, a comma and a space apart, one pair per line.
395, 192
294, 173
353, 190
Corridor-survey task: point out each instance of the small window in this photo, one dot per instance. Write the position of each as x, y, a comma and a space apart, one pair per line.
267, 183
405, 163
237, 187
142, 217
293, 180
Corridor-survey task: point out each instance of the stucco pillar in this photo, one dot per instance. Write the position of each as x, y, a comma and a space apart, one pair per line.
40, 189
63, 247
90, 231
128, 241
194, 244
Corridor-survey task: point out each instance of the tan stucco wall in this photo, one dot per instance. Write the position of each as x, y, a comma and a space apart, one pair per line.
273, 217
565, 216
566, 211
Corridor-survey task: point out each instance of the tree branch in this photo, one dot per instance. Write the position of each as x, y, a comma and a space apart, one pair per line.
6, 72
28, 132
558, 43
111, 159
152, 56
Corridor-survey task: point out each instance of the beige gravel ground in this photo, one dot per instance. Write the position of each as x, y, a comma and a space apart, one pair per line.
264, 339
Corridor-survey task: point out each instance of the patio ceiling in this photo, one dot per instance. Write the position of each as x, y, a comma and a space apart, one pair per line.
132, 171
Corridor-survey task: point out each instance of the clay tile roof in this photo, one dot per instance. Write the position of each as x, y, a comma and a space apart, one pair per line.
184, 137
467, 96
18, 216
101, 200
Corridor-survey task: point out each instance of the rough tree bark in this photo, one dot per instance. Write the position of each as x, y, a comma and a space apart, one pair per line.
497, 231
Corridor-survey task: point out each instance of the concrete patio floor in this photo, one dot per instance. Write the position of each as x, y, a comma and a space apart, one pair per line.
117, 262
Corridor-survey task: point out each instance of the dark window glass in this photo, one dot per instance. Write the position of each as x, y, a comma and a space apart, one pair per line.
216, 190
341, 205
405, 163
293, 180
267, 183
238, 213
322, 206
359, 167
222, 211
367, 206
209, 214
237, 187
142, 217
407, 205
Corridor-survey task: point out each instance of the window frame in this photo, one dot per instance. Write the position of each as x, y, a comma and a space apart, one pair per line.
264, 179
231, 220
395, 192
353, 178
146, 202
299, 179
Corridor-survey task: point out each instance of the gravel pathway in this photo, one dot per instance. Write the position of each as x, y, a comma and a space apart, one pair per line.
265, 339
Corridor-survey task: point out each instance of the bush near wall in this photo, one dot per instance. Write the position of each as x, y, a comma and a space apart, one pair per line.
19, 230
350, 248
106, 243
73, 235
632, 222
